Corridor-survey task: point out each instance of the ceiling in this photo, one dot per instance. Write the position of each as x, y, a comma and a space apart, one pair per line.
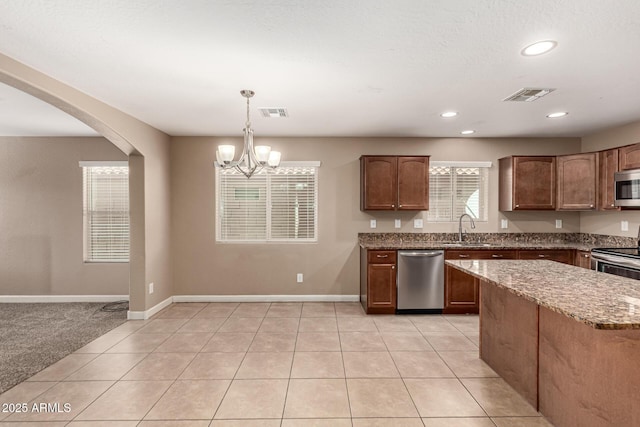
341, 68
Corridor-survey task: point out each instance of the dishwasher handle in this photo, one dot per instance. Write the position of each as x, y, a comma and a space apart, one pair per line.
421, 254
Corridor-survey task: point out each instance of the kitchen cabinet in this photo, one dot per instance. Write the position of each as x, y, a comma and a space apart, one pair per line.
629, 157
607, 167
564, 256
577, 176
378, 281
527, 183
583, 259
461, 290
394, 183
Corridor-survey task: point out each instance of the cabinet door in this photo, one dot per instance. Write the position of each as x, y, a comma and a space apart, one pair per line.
413, 183
608, 166
534, 183
577, 182
381, 288
630, 157
379, 182
461, 292
583, 259
559, 255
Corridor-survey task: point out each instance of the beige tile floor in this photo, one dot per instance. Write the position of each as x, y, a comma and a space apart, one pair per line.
275, 364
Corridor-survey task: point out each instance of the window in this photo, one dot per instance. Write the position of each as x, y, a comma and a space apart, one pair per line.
457, 188
106, 211
274, 206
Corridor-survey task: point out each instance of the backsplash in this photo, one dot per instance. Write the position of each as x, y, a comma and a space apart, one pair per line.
590, 240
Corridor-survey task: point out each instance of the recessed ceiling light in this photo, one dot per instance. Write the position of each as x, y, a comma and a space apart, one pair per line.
556, 115
467, 132
538, 48
448, 114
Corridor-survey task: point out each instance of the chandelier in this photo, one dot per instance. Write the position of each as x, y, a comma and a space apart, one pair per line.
253, 159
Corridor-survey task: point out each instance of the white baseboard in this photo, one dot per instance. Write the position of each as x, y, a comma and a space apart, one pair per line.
266, 298
61, 298
144, 315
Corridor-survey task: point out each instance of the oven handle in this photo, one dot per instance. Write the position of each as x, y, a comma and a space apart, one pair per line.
615, 260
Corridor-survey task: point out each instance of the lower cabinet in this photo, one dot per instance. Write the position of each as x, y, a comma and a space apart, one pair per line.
461, 290
378, 281
583, 259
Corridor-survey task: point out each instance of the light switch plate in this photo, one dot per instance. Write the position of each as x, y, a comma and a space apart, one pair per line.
397, 223
624, 225
299, 278
373, 223
417, 223
504, 223
558, 223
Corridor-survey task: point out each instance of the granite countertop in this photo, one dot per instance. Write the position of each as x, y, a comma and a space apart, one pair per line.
489, 241
600, 300
400, 245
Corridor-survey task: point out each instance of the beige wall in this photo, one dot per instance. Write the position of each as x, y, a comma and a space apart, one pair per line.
41, 219
609, 222
203, 267
149, 175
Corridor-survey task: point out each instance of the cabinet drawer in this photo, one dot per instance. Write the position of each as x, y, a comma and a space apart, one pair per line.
484, 254
559, 255
381, 257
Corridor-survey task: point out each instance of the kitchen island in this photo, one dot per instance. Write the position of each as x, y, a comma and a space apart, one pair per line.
566, 338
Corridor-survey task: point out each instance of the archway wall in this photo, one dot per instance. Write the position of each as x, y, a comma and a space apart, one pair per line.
148, 151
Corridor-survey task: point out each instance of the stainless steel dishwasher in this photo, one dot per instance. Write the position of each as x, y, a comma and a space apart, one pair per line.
420, 281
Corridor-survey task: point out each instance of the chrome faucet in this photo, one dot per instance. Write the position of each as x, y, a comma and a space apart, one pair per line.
473, 225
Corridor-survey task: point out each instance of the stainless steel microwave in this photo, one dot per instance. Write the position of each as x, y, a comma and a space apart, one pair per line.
628, 188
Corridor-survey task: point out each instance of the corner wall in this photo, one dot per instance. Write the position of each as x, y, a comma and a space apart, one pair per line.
41, 219
330, 267
609, 222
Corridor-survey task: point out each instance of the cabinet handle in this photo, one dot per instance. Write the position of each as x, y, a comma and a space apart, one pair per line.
613, 205
382, 256
542, 256
496, 256
517, 206
393, 267
590, 206
393, 206
399, 206
586, 255
463, 256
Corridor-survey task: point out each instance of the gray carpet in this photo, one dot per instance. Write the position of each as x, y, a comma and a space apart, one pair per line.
34, 336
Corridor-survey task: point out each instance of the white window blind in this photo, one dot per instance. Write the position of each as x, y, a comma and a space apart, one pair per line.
106, 212
270, 206
456, 190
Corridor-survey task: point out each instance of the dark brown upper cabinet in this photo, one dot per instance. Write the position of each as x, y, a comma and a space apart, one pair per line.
577, 182
607, 167
629, 157
394, 183
527, 183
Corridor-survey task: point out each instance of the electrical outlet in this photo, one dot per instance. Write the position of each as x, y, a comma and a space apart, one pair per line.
558, 223
417, 223
299, 278
624, 225
504, 223
373, 223
397, 223
151, 287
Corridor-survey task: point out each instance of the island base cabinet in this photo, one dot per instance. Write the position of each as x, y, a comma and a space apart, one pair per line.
509, 338
588, 377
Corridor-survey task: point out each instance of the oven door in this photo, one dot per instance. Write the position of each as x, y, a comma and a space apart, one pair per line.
615, 265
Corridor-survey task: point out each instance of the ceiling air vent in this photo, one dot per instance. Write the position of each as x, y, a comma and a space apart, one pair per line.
274, 112
528, 94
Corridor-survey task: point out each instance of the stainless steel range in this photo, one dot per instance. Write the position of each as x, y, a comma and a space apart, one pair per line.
619, 261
